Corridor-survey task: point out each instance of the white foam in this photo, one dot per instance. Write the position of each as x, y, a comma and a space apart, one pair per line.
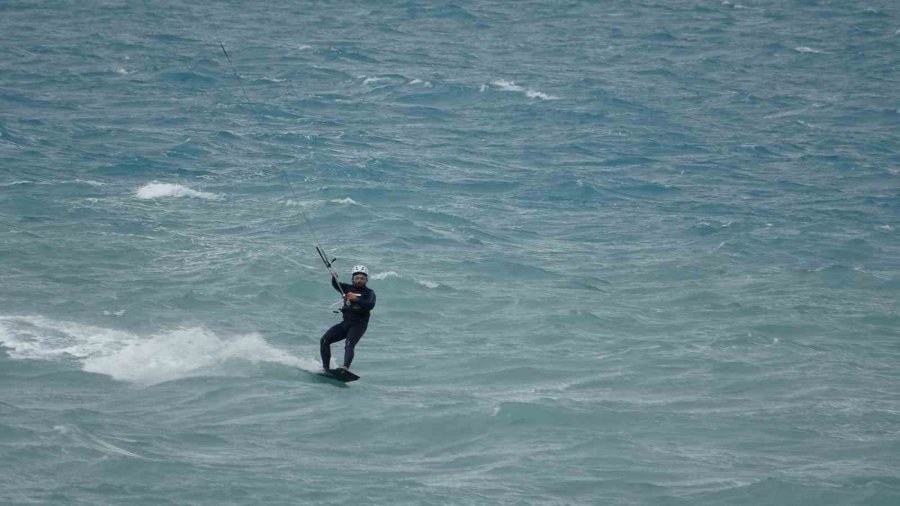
315, 204
419, 81
160, 190
296, 203
804, 49
183, 353
110, 448
144, 360
384, 275
374, 80
38, 338
391, 274
427, 284
511, 86
90, 182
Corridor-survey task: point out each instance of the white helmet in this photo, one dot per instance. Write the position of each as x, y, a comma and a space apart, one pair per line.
360, 269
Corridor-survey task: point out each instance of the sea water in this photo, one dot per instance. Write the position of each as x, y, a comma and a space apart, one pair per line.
625, 253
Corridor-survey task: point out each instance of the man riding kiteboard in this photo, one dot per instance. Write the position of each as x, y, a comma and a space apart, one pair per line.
359, 300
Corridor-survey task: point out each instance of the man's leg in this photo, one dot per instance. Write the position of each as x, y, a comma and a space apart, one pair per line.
332, 335
353, 336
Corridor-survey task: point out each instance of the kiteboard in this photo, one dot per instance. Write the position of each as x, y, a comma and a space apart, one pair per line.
339, 374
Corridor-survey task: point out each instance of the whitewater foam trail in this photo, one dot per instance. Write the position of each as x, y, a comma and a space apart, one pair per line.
144, 360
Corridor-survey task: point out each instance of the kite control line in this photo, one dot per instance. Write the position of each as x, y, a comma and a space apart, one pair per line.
319, 249
236, 75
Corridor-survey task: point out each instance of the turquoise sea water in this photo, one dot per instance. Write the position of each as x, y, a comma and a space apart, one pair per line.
626, 253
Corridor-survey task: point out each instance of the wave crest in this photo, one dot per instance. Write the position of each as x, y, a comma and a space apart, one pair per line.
160, 190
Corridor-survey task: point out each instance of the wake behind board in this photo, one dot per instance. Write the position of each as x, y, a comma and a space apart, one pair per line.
339, 374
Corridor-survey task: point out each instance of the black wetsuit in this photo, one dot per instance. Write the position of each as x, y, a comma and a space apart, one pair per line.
356, 319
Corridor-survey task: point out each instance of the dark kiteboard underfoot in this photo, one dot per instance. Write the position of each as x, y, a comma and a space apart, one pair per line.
339, 374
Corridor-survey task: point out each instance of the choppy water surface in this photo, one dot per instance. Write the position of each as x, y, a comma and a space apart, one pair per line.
625, 252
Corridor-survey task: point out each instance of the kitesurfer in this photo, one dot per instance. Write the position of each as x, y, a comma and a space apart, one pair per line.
358, 303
